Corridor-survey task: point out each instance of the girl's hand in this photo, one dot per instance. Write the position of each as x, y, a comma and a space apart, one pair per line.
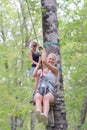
40, 47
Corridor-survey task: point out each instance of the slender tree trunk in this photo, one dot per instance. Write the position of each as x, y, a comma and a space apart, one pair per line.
83, 114
13, 122
33, 121
24, 19
51, 42
23, 28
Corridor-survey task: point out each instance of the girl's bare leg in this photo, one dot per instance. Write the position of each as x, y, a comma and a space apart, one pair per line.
48, 98
38, 102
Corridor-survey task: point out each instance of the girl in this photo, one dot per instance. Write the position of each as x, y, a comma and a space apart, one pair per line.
45, 93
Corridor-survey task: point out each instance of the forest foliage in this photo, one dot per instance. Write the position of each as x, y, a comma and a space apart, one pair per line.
20, 22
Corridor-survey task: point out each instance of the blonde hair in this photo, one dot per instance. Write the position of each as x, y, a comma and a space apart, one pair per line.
54, 55
32, 43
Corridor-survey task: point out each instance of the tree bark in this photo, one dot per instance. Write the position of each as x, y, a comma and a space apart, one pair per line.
51, 42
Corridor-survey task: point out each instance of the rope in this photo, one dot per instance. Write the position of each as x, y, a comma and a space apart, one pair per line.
31, 20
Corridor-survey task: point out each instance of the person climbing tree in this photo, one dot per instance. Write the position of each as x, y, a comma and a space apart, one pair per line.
34, 55
45, 93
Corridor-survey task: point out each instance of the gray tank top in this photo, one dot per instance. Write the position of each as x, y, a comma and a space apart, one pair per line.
51, 77
47, 83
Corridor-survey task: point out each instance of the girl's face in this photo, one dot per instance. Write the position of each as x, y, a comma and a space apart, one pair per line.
34, 46
51, 59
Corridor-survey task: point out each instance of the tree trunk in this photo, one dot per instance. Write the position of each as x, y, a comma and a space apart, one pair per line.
51, 42
13, 122
83, 114
24, 19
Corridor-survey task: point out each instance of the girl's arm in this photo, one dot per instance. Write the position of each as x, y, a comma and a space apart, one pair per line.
53, 68
35, 72
31, 58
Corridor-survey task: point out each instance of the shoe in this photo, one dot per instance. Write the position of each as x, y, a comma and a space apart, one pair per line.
44, 118
38, 115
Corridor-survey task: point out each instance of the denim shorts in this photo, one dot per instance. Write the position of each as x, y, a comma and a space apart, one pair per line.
32, 69
45, 87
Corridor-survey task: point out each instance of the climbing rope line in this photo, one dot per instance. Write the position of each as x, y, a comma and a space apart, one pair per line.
31, 20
